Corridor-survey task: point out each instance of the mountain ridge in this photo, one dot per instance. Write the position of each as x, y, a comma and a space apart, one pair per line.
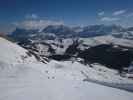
63, 31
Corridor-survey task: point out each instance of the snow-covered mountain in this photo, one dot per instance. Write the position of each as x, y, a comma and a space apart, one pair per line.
63, 31
56, 39
124, 34
85, 56
99, 30
60, 30
23, 77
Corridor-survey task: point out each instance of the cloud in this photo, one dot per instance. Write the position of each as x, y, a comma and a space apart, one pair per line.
109, 19
129, 15
119, 12
31, 16
101, 13
36, 24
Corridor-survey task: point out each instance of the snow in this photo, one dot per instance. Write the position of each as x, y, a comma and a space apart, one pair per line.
59, 46
49, 82
10, 52
52, 81
107, 40
124, 35
59, 50
117, 41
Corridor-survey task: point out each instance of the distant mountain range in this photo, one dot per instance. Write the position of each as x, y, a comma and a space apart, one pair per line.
62, 31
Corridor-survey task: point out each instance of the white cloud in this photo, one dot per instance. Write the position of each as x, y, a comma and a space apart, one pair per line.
109, 19
36, 24
31, 16
101, 13
119, 12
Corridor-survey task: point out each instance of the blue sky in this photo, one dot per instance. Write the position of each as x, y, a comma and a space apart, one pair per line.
70, 12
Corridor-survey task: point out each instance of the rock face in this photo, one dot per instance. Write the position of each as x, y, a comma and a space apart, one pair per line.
108, 55
60, 57
73, 48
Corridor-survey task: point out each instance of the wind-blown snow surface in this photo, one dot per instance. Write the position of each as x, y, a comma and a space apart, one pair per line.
52, 81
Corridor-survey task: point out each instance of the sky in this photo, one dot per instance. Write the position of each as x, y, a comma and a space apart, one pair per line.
15, 13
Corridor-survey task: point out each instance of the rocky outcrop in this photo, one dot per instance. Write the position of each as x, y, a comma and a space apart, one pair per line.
108, 55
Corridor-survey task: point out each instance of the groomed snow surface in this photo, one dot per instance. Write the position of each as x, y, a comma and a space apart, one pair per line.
21, 80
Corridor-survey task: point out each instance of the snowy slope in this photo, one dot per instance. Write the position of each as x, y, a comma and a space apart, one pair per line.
116, 41
124, 35
107, 40
52, 81
12, 53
